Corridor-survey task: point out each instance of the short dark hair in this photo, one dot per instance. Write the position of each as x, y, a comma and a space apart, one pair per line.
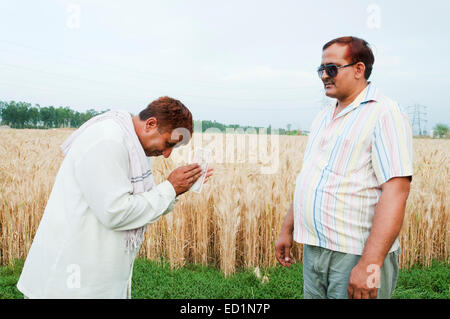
358, 50
170, 114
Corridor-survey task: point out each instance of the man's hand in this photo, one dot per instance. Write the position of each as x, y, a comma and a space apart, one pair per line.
182, 178
363, 283
284, 243
283, 249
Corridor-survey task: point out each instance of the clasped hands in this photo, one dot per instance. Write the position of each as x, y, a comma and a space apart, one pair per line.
182, 178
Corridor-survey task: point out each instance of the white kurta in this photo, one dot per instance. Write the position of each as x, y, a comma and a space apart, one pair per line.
79, 248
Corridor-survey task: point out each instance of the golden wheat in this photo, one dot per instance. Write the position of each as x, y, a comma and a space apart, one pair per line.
236, 219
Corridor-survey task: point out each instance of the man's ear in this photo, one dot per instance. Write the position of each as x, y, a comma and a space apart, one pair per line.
360, 69
151, 123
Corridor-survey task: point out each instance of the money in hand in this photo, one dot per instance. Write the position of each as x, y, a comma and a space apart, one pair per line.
202, 157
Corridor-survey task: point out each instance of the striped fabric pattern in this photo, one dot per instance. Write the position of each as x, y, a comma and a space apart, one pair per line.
346, 161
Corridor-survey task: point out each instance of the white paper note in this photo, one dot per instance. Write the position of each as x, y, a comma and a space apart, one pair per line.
202, 157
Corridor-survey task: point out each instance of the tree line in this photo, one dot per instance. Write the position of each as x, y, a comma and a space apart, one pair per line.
24, 115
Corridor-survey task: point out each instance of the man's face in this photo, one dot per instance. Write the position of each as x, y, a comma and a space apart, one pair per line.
339, 86
156, 143
161, 144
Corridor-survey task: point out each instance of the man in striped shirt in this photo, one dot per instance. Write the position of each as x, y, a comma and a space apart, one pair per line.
350, 195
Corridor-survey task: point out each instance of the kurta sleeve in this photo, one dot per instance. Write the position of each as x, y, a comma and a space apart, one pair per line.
102, 174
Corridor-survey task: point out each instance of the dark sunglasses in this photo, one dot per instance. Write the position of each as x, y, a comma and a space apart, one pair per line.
331, 69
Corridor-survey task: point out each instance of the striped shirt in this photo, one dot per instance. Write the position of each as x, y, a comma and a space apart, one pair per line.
346, 161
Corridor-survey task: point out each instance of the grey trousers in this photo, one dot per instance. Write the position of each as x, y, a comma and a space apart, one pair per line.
326, 273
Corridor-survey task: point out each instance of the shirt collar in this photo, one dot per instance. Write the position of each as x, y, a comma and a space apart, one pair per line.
369, 94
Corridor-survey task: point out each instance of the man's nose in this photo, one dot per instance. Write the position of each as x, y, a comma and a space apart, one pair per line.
324, 75
166, 153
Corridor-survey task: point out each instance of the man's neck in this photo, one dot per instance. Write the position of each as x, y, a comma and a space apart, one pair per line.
343, 103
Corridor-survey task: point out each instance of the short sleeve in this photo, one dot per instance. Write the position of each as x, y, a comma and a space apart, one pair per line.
392, 147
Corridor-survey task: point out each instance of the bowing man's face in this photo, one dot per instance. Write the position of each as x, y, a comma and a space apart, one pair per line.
157, 141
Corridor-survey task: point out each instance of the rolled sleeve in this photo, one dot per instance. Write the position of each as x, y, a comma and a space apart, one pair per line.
392, 145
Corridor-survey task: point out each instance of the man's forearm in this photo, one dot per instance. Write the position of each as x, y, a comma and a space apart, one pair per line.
288, 223
387, 221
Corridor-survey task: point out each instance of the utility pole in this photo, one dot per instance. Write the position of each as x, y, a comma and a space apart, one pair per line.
418, 115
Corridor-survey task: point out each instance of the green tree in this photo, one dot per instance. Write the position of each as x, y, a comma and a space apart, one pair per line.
8, 113
15, 114
33, 116
61, 117
440, 130
47, 116
22, 114
3, 105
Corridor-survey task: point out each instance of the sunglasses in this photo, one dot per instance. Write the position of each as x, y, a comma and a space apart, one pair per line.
331, 69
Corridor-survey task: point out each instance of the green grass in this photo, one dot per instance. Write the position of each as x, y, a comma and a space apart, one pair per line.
424, 283
8, 280
157, 280
151, 280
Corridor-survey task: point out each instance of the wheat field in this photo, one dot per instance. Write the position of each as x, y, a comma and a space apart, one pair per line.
236, 219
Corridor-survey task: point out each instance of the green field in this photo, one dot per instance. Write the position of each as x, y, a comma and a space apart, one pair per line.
158, 281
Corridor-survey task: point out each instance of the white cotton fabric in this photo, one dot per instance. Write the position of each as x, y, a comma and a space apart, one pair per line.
140, 170
79, 250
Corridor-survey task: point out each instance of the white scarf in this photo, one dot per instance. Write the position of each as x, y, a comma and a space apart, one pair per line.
141, 173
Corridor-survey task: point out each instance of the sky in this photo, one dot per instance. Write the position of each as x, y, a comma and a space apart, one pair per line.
236, 62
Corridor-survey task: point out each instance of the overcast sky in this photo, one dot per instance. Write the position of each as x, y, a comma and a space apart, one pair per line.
245, 62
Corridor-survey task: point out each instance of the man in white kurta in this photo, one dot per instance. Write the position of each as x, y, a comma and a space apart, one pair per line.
78, 250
